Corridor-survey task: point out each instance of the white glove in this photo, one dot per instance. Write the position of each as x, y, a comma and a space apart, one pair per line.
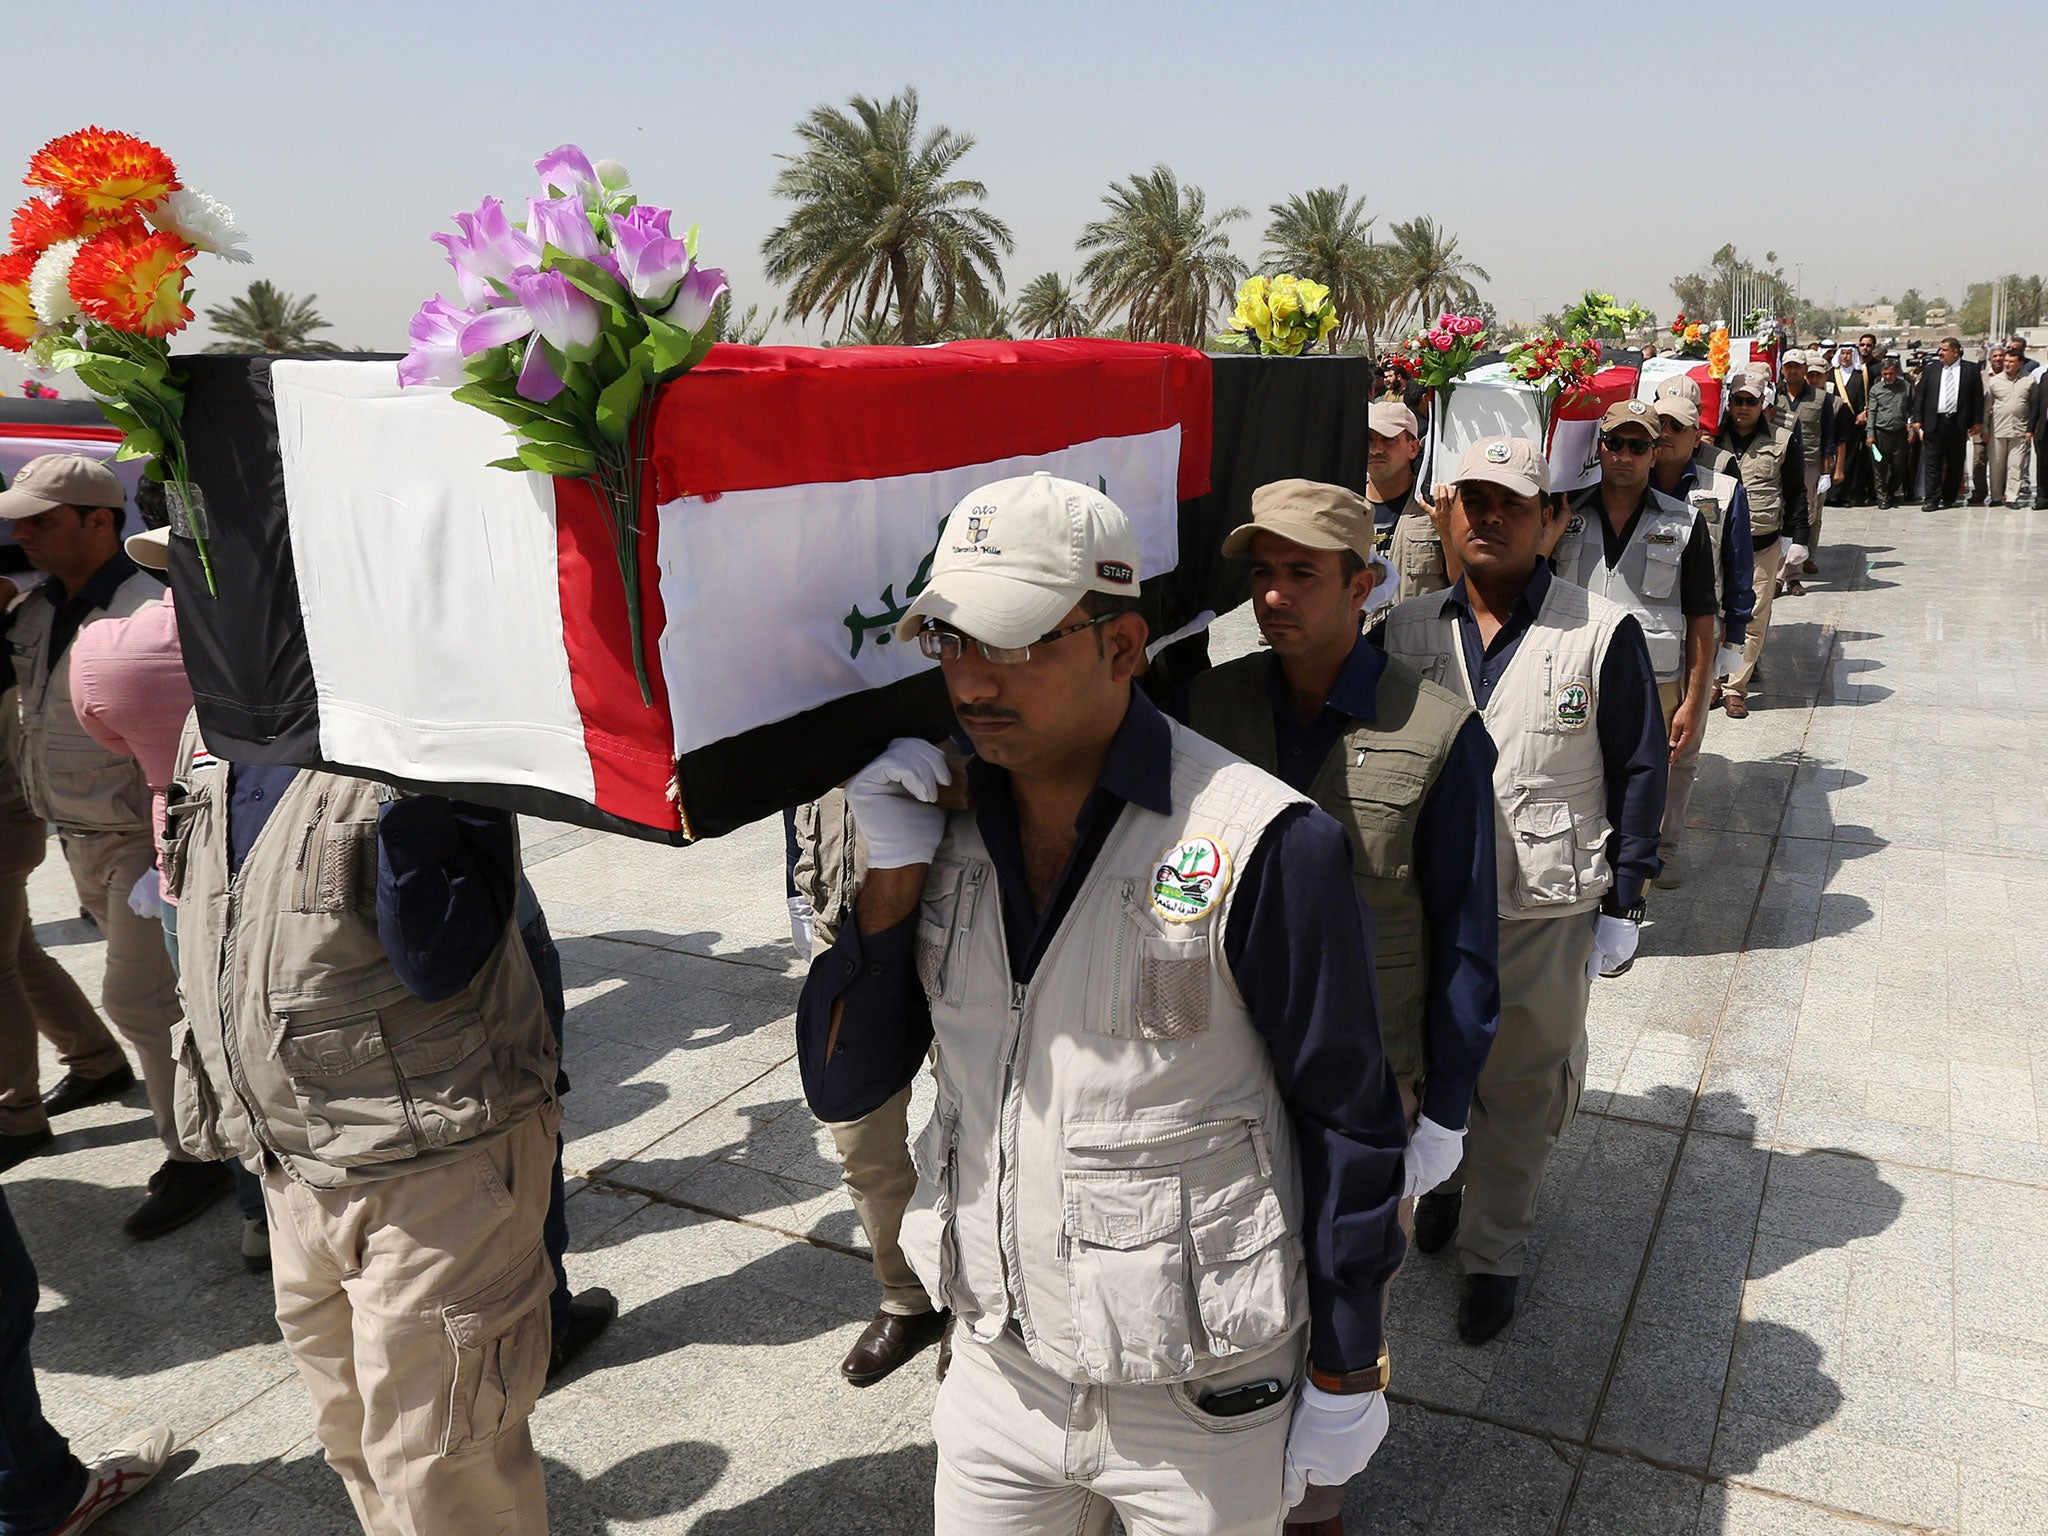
1796, 556
1727, 660
802, 926
1827, 483
894, 803
1385, 583
146, 899
1432, 1156
1614, 943
1331, 1439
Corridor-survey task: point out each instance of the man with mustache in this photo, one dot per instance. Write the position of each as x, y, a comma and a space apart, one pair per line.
1563, 681
1158, 1190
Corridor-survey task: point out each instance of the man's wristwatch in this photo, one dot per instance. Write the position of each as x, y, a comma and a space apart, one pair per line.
1373, 1380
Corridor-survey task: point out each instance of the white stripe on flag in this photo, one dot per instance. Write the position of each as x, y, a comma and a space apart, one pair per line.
427, 584
779, 600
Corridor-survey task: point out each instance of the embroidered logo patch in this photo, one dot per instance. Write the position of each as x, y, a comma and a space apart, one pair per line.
1576, 526
1574, 704
1496, 453
1190, 879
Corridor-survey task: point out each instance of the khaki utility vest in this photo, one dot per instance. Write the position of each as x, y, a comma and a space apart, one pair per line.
13, 802
1109, 1166
70, 778
1415, 550
299, 1039
1549, 778
1373, 783
1760, 465
1644, 581
1712, 494
1806, 414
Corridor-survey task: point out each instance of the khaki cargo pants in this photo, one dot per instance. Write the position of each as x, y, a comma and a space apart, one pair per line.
1764, 572
1024, 1453
1528, 1089
874, 1164
1681, 775
416, 1308
139, 990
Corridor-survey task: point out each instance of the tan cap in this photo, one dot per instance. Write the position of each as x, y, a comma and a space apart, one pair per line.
1308, 513
1630, 413
1390, 418
1680, 408
1753, 380
1794, 359
150, 548
61, 480
1016, 555
1513, 462
1678, 384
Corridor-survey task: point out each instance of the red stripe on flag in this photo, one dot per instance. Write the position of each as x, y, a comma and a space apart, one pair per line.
60, 431
631, 745
748, 418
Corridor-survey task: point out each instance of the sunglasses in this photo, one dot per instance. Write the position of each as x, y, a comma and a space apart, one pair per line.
1635, 446
943, 643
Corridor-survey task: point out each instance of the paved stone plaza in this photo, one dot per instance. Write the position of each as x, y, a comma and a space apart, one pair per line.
1793, 1261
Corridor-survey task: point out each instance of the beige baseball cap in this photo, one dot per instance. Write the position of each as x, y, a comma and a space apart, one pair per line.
61, 480
1752, 380
1390, 418
1678, 384
1794, 358
1680, 408
150, 548
1630, 413
1308, 513
1016, 555
1513, 462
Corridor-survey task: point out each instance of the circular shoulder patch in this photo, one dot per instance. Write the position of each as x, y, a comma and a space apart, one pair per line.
1189, 879
1496, 453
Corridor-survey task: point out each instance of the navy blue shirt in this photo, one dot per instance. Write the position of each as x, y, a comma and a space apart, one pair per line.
447, 877
1298, 943
1454, 853
1629, 719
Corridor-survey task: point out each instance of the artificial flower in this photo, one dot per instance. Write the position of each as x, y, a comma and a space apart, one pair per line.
202, 221
104, 170
651, 264
436, 336
18, 323
49, 285
566, 172
41, 222
485, 251
538, 380
611, 175
562, 223
563, 313
700, 290
134, 284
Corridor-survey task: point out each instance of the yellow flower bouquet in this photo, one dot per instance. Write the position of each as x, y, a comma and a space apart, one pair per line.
1282, 316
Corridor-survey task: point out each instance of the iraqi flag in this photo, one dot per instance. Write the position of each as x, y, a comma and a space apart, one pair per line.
391, 606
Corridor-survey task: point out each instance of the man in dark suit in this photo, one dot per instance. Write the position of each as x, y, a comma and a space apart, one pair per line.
1947, 408
1853, 381
2037, 434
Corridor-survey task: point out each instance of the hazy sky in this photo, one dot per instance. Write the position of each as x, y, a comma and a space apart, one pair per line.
1569, 145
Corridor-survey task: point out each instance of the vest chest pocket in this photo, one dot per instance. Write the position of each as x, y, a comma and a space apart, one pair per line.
183, 811
1154, 985
337, 872
1660, 569
1382, 790
1421, 555
945, 915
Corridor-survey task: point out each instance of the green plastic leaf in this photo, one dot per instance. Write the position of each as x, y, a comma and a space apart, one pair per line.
591, 278
517, 466
515, 411
554, 433
550, 459
615, 407
668, 347
140, 444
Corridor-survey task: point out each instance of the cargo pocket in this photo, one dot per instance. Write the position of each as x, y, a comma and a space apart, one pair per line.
1173, 987
194, 1104
1127, 1272
1660, 570
1591, 835
347, 1087
338, 872
1546, 853
498, 1344
926, 1235
182, 810
450, 1079
1244, 1261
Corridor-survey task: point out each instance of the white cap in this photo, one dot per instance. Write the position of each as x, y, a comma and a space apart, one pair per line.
1017, 555
150, 548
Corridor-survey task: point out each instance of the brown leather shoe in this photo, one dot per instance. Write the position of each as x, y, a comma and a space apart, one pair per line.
887, 1342
1735, 706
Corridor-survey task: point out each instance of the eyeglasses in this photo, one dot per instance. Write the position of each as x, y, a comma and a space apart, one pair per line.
1744, 400
946, 644
1635, 446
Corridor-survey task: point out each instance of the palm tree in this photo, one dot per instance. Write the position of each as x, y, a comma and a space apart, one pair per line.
973, 320
1426, 273
1322, 235
1048, 306
749, 328
881, 219
267, 320
1162, 257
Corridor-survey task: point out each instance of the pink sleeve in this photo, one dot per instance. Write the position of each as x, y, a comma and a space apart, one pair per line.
88, 673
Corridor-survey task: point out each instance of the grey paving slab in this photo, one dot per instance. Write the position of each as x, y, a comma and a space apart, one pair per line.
1791, 1262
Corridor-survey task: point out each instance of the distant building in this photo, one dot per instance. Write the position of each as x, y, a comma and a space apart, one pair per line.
1875, 315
